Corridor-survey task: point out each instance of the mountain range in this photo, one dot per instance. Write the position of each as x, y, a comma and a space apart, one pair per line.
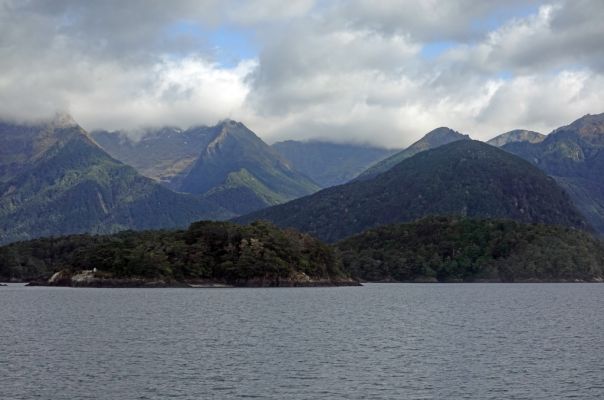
55, 180
574, 156
162, 154
226, 163
465, 177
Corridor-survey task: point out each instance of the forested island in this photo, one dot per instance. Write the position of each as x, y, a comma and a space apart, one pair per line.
206, 254
433, 249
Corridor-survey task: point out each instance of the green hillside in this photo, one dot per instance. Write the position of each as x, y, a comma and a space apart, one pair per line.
237, 158
226, 163
72, 186
457, 249
466, 178
574, 156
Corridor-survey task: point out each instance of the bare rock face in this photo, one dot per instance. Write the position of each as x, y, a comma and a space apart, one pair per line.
516, 136
83, 278
61, 278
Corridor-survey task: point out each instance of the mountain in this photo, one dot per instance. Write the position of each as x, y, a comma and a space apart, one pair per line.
467, 178
55, 180
453, 249
226, 163
238, 166
330, 164
518, 135
433, 139
161, 154
574, 156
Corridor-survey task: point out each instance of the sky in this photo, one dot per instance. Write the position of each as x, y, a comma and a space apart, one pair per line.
363, 71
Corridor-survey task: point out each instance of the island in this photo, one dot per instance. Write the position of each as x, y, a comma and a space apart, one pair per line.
207, 254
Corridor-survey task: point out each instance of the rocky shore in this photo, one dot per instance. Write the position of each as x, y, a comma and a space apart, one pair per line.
94, 279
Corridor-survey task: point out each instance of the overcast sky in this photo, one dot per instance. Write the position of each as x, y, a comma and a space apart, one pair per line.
384, 72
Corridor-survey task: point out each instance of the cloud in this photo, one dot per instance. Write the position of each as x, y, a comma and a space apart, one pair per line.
354, 70
181, 92
535, 70
428, 20
559, 36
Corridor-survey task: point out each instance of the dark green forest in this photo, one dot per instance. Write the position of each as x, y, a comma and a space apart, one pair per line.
449, 249
464, 178
443, 249
207, 251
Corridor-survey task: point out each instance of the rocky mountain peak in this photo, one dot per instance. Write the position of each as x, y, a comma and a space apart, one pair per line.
63, 120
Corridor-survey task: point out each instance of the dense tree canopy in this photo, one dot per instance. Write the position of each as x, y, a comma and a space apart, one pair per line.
458, 249
465, 178
213, 251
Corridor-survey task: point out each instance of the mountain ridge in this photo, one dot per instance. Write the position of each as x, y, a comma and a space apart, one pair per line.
516, 135
226, 162
330, 164
433, 139
466, 177
73, 186
574, 156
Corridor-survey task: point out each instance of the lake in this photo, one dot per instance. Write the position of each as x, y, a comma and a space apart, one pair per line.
380, 341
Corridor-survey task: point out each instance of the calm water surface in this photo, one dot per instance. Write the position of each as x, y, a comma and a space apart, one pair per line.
381, 341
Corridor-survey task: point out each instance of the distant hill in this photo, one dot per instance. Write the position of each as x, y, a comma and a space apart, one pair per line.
330, 164
574, 156
466, 178
226, 163
518, 135
433, 139
55, 180
458, 249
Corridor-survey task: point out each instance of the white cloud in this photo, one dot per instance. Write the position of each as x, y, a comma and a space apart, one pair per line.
179, 93
341, 70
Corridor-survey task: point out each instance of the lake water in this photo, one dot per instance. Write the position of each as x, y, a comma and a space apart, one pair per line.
380, 341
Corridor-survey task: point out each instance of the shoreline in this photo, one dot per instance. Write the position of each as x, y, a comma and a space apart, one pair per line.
90, 279
134, 284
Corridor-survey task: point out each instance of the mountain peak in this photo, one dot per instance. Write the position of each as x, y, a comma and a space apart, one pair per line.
435, 138
589, 128
517, 135
63, 119
442, 130
228, 123
465, 177
440, 136
236, 162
